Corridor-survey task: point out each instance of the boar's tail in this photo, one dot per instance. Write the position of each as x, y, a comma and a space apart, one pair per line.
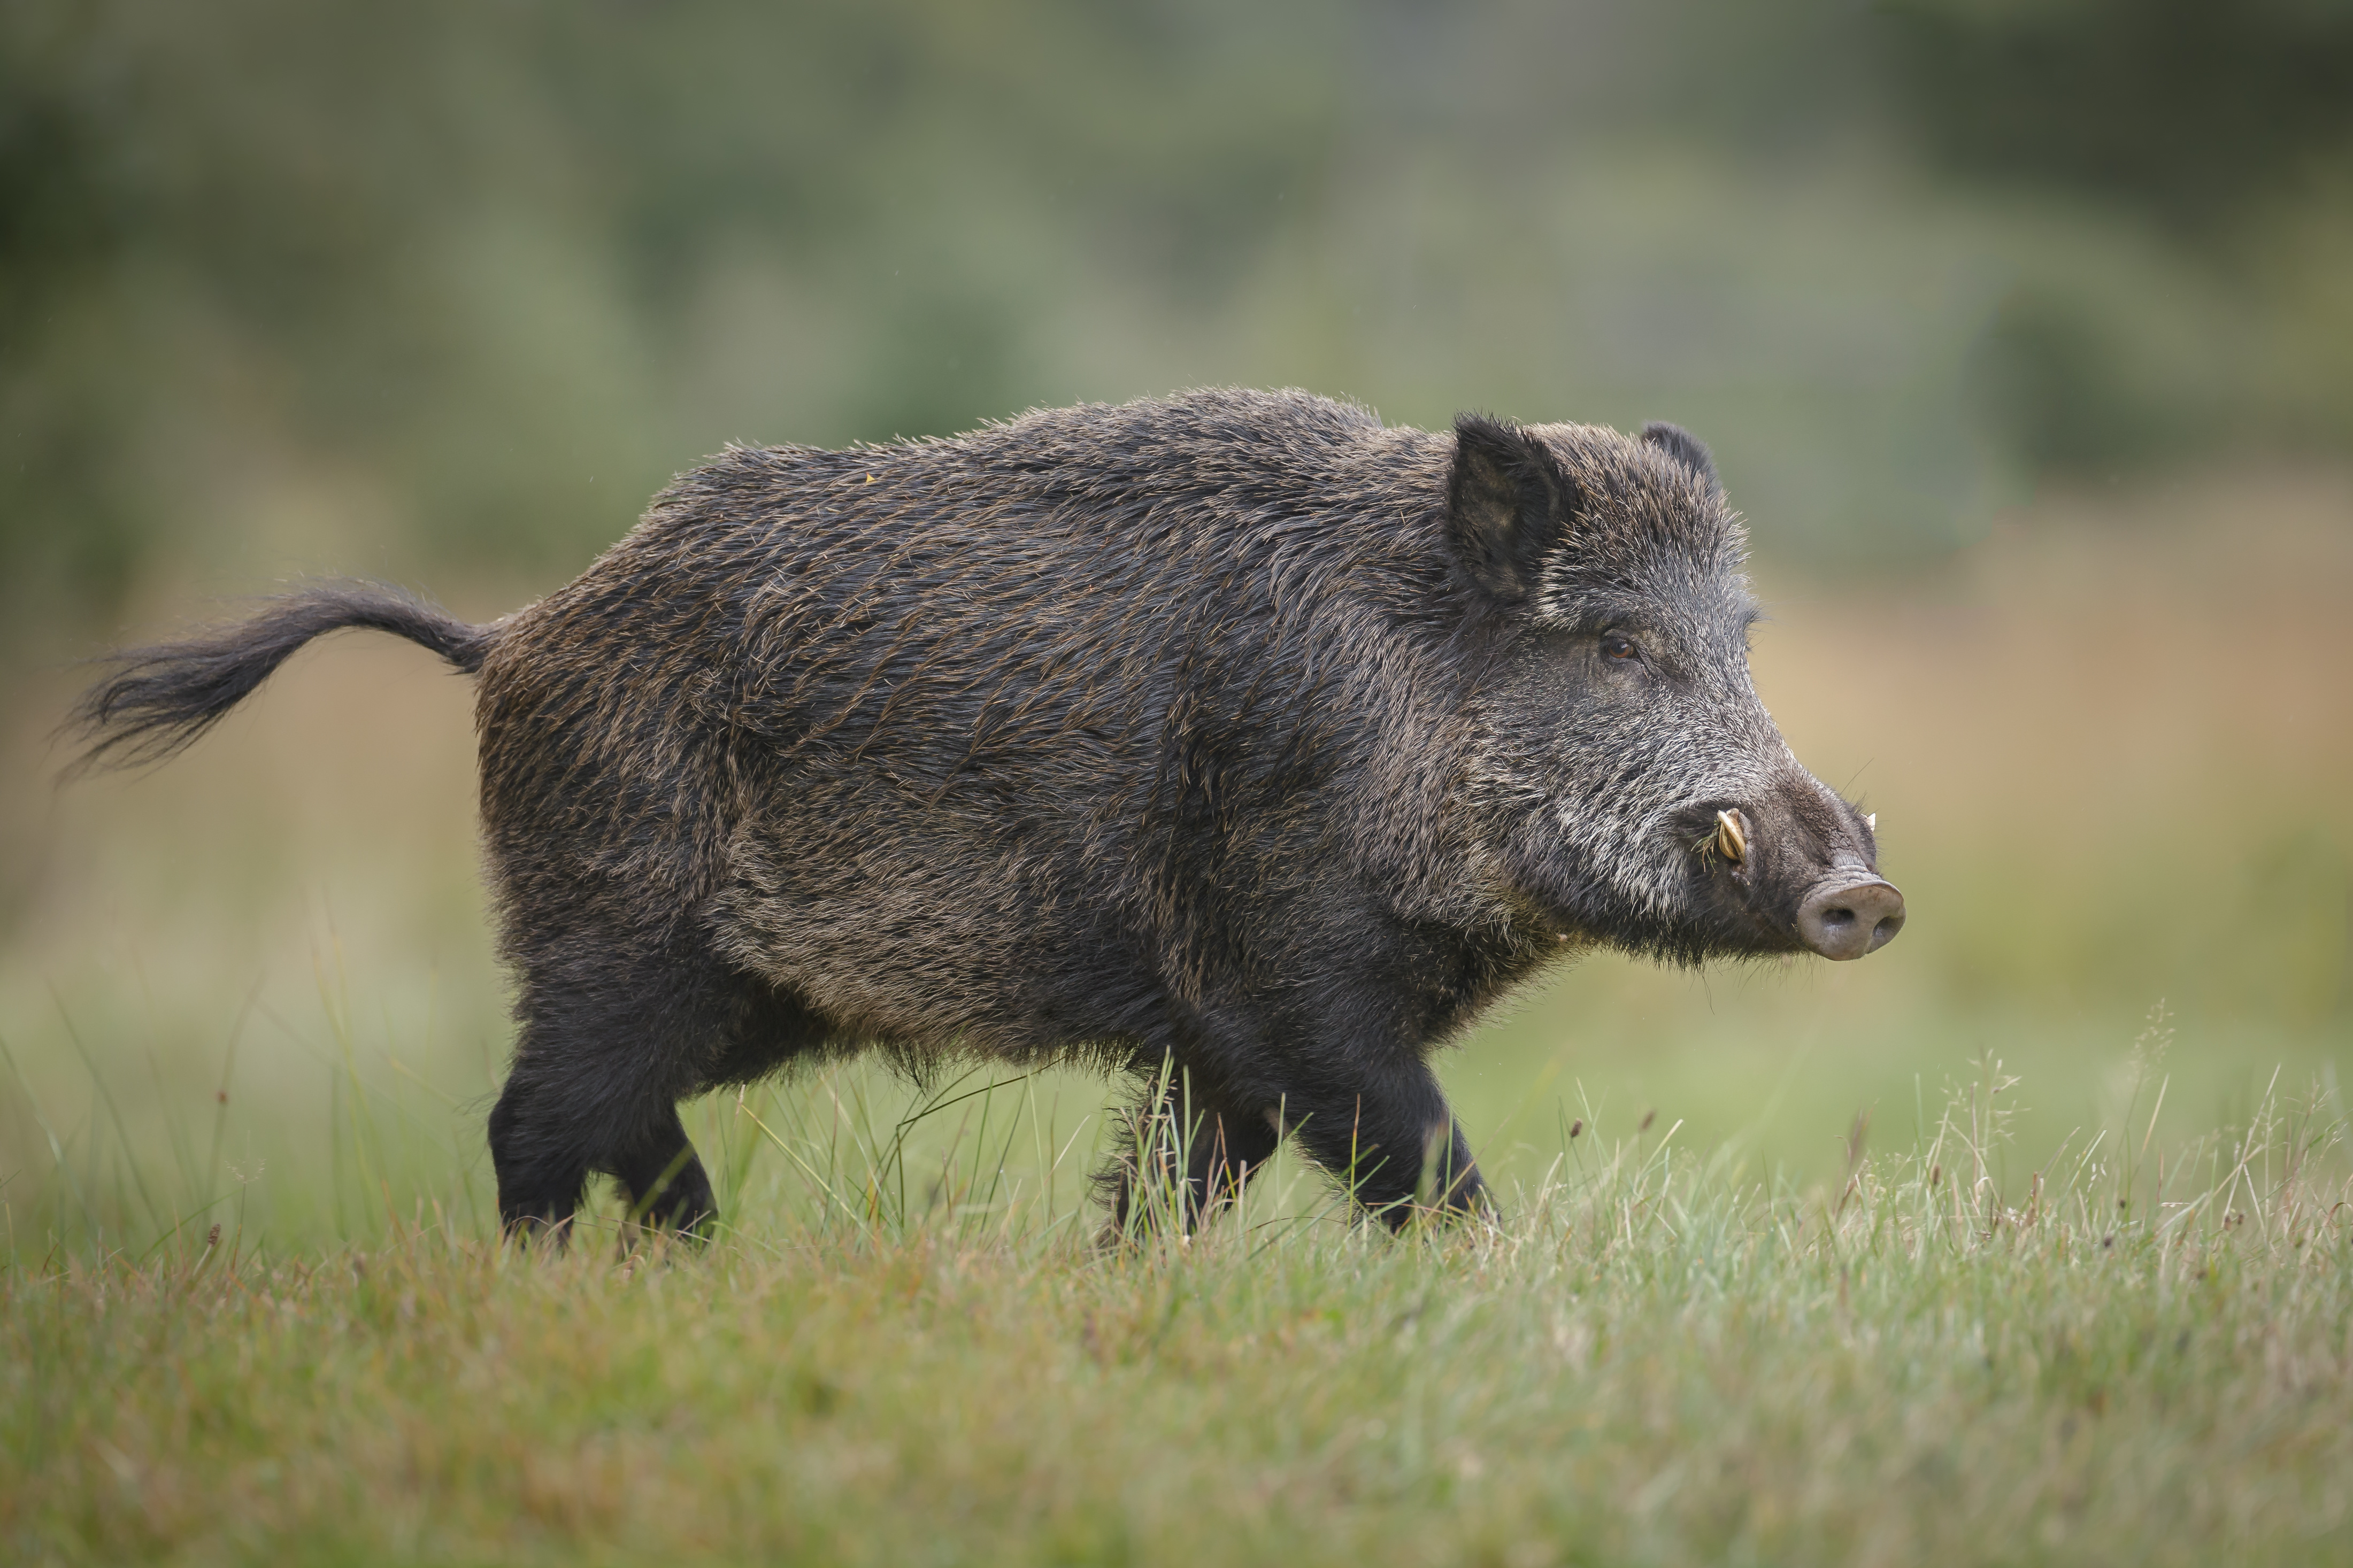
161, 699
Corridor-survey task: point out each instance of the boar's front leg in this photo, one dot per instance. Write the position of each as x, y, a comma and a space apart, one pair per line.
1380, 1125
1224, 1144
1385, 1131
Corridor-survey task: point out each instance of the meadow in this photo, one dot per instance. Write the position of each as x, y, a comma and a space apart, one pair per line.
2030, 1238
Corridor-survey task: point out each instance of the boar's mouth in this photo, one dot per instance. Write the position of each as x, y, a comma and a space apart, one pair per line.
1772, 892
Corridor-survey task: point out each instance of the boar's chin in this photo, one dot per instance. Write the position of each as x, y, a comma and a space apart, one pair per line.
1666, 912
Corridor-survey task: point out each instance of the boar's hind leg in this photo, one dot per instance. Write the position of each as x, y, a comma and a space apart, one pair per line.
1390, 1138
609, 1047
571, 1108
541, 1161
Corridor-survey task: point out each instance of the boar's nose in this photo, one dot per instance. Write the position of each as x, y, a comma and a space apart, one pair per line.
1846, 918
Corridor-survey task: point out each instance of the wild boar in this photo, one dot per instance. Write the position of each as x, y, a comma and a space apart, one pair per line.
1234, 742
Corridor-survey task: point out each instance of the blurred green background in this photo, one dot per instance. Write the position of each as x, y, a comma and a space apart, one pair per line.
2022, 331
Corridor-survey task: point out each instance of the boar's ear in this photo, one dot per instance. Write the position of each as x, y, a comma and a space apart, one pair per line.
1507, 502
1684, 448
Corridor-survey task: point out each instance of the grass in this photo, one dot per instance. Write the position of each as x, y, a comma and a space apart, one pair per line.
904, 1350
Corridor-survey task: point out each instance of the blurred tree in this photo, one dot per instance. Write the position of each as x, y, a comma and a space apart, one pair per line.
448, 248
2223, 127
483, 275
2184, 109
67, 209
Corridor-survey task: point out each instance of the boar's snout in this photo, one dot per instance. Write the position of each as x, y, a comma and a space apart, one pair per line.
1795, 867
1847, 917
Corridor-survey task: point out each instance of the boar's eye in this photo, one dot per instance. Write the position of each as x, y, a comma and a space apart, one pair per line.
1618, 647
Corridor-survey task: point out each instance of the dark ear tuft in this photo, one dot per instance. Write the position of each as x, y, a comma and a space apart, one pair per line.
1507, 502
1684, 448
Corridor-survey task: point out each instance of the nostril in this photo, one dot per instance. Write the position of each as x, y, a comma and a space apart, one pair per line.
1884, 931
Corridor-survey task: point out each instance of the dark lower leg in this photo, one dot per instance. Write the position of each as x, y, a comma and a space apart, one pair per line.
1395, 1146
1222, 1148
541, 1169
1226, 1151
664, 1181
614, 1031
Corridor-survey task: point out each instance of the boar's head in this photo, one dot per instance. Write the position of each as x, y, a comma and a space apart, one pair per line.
1629, 780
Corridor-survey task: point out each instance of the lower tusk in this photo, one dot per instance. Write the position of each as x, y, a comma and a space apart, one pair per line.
1731, 836
1872, 821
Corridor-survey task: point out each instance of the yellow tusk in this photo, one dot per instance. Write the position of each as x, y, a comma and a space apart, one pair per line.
1872, 821
1731, 837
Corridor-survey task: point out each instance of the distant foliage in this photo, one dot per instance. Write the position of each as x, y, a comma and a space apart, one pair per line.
2182, 109
2227, 130
446, 287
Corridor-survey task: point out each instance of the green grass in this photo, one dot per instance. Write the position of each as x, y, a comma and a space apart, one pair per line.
906, 1347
